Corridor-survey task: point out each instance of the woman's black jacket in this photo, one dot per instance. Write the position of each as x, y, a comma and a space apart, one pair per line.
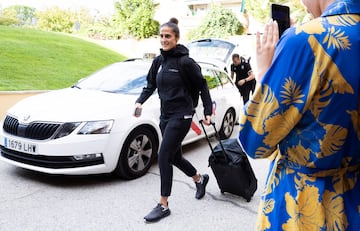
176, 100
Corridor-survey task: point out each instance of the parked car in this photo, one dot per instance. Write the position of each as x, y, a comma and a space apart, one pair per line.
89, 128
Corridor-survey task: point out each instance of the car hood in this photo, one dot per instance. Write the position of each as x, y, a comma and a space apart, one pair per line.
73, 105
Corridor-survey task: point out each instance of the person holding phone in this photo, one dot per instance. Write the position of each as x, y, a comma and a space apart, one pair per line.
305, 117
244, 77
177, 110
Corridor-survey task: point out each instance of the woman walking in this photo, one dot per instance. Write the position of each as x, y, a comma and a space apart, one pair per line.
177, 110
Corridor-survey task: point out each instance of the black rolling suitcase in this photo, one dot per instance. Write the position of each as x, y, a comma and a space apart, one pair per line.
231, 167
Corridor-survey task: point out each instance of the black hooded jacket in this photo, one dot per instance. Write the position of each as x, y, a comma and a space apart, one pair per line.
175, 98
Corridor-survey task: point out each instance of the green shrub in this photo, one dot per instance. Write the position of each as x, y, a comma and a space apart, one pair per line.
135, 18
56, 19
8, 17
218, 23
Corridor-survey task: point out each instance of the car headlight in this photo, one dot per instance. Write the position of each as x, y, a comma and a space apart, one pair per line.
66, 129
96, 127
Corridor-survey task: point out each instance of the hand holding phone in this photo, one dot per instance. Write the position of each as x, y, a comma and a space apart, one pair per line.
281, 14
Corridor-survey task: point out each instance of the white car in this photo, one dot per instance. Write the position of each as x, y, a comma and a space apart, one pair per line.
89, 128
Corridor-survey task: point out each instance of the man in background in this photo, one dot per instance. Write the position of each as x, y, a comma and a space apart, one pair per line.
245, 79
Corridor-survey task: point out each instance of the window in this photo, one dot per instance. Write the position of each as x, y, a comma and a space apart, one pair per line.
224, 79
211, 79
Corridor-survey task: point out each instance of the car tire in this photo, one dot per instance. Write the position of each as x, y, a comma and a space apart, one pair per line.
228, 124
137, 154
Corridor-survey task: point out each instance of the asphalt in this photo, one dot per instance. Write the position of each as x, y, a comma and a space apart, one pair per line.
35, 201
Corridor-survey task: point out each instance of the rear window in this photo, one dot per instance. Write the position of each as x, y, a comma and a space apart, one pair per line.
216, 49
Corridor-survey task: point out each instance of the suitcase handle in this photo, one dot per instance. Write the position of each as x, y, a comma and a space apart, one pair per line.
217, 137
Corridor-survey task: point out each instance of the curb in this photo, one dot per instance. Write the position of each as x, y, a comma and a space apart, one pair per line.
9, 98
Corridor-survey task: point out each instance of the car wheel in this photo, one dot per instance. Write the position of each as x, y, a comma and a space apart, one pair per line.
137, 154
227, 125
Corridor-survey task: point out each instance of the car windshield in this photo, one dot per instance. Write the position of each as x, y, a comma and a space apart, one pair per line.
217, 49
125, 78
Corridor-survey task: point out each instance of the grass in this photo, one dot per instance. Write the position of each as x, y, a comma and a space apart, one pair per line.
38, 60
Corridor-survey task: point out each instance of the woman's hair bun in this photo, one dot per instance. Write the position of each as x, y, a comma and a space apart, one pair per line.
174, 20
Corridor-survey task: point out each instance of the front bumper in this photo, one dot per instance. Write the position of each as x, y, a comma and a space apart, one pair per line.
55, 162
59, 156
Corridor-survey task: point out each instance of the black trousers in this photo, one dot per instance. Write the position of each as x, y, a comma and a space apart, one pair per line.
245, 94
170, 152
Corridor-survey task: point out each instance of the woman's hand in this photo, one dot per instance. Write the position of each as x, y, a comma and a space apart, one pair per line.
207, 120
265, 47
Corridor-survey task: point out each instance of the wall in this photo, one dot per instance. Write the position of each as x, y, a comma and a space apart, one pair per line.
8, 99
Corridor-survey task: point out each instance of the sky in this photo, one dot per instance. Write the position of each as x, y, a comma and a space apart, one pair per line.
103, 7
168, 8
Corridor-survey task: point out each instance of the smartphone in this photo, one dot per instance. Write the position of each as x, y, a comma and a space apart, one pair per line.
281, 14
137, 112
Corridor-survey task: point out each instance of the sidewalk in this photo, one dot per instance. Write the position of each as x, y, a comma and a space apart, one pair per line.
9, 98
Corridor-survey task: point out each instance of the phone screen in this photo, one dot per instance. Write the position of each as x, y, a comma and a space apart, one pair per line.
281, 14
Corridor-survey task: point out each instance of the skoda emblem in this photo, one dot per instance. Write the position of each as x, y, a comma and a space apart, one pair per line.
26, 118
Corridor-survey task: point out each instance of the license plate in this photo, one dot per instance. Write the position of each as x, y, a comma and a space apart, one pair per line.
20, 146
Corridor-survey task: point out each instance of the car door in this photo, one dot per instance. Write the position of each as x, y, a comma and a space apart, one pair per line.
214, 84
223, 95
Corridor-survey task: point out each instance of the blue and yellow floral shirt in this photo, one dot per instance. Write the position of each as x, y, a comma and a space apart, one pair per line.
305, 117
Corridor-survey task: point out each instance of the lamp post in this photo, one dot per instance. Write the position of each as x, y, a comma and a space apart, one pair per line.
242, 8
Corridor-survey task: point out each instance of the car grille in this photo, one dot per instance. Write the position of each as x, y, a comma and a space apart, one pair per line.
54, 162
36, 131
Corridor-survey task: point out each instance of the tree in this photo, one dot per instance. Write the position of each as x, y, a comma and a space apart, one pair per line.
17, 15
25, 14
83, 19
56, 19
260, 9
8, 17
135, 18
104, 28
219, 22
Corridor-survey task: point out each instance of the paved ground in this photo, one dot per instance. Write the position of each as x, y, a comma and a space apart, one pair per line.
34, 201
